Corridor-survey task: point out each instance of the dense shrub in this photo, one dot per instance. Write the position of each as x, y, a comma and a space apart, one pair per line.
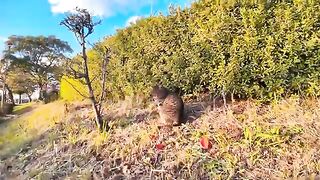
71, 89
51, 96
260, 50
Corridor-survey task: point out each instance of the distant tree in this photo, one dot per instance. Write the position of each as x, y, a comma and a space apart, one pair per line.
5, 66
82, 25
21, 82
40, 56
3, 72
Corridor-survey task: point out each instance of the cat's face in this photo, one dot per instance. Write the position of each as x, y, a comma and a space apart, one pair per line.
159, 94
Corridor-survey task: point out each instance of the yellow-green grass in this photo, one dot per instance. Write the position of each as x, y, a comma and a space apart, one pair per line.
22, 108
30, 125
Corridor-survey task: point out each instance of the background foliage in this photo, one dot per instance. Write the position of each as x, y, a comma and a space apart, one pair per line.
69, 89
262, 50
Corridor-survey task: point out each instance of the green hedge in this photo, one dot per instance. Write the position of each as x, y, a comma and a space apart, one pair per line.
71, 89
259, 50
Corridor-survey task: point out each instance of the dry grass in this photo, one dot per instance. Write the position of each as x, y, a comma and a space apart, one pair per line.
249, 141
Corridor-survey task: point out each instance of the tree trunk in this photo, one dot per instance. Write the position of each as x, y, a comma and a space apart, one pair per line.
19, 98
10, 94
3, 95
98, 117
224, 99
41, 92
94, 103
29, 96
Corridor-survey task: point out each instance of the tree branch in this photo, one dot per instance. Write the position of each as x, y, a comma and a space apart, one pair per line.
104, 76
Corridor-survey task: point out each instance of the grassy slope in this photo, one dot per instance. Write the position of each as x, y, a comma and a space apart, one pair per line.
252, 141
32, 120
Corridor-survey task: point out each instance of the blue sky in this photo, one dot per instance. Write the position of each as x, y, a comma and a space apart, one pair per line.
42, 17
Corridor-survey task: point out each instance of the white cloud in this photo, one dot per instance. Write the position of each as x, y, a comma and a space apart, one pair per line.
102, 8
133, 19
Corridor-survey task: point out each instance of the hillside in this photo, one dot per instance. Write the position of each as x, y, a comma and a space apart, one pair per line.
248, 140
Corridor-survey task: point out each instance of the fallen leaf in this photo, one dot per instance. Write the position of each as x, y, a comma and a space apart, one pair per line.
205, 142
160, 146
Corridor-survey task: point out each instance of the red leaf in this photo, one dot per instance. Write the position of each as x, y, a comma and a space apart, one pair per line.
160, 146
205, 143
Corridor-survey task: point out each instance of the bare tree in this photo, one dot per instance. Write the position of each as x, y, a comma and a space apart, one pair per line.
82, 25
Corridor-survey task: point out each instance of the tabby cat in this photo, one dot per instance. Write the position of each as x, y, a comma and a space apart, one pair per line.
170, 106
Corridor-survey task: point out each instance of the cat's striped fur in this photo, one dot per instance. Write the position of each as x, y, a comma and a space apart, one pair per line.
170, 106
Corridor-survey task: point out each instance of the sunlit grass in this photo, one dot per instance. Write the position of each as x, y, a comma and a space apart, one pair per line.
29, 126
276, 141
21, 108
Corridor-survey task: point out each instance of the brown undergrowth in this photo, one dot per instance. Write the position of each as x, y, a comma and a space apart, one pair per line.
249, 141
